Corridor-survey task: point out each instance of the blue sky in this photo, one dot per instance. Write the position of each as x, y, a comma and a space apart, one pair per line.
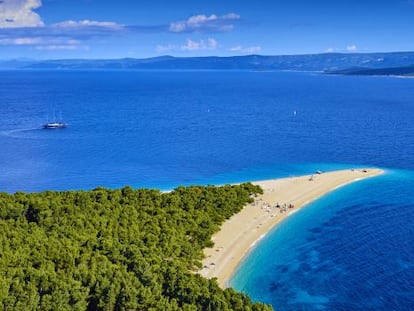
125, 28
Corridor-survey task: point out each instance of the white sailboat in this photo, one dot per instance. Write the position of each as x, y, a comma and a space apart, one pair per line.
55, 124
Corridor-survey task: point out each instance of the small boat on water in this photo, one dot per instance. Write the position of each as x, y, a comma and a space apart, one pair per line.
54, 125
57, 122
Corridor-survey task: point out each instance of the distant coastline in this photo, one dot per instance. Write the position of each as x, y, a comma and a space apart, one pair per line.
324, 62
281, 198
397, 72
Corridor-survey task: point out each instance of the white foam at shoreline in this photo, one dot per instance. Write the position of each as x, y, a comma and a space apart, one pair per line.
292, 212
255, 242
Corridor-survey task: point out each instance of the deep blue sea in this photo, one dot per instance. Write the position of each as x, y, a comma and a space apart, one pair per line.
351, 250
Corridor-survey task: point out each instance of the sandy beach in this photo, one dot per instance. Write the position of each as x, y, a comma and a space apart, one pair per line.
242, 231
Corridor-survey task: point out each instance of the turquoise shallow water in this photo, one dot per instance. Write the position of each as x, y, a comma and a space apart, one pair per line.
350, 250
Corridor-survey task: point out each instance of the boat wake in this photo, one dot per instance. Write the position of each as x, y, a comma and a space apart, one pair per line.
22, 133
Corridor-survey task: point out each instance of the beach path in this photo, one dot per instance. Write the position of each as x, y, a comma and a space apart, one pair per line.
239, 233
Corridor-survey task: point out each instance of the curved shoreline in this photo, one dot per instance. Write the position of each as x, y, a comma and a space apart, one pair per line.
239, 234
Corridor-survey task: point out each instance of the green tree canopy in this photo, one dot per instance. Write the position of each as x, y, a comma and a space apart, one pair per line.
119, 249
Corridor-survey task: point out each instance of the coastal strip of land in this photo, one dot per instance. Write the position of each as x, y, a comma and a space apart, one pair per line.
281, 198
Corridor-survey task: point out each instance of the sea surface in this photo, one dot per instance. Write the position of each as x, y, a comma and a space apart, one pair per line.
351, 250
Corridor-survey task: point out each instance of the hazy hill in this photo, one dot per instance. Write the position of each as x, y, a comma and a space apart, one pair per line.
311, 62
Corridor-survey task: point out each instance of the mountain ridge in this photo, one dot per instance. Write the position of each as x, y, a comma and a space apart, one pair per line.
302, 62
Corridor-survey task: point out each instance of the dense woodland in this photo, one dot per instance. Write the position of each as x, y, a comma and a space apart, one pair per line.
120, 249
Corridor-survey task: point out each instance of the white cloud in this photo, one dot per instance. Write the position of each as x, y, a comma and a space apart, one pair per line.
57, 47
87, 23
235, 48
231, 16
165, 48
189, 46
55, 34
349, 48
352, 48
19, 13
193, 45
199, 19
210, 44
240, 49
43, 41
178, 26
19, 41
196, 21
203, 22
57, 44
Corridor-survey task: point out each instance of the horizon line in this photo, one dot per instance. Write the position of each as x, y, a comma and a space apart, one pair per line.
205, 56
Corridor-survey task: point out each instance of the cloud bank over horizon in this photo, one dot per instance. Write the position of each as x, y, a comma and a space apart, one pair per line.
124, 28
20, 25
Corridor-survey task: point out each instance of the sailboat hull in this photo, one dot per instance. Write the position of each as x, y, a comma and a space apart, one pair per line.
54, 125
